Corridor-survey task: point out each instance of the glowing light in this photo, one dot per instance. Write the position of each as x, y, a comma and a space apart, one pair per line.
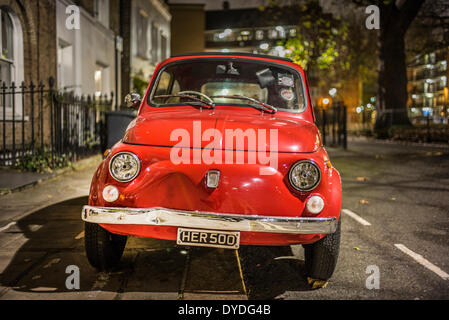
326, 101
333, 92
264, 46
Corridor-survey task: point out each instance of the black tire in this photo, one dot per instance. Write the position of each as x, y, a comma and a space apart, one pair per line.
321, 257
103, 248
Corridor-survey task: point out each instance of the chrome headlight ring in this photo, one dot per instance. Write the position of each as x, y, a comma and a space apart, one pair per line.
124, 166
310, 168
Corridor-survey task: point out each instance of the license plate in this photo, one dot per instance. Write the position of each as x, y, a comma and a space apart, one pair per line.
208, 238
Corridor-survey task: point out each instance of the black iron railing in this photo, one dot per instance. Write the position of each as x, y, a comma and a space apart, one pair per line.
332, 122
38, 120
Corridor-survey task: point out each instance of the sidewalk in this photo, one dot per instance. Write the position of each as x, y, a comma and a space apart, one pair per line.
59, 186
12, 180
398, 142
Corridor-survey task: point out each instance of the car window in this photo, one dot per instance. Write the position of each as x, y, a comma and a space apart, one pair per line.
251, 90
281, 87
164, 82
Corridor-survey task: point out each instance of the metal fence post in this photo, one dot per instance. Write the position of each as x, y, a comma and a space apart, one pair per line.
345, 132
13, 94
41, 114
323, 125
23, 87
52, 124
4, 122
32, 116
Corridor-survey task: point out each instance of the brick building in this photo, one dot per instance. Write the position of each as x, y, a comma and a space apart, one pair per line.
89, 47
428, 88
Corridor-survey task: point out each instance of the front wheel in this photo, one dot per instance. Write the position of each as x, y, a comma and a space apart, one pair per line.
103, 248
321, 256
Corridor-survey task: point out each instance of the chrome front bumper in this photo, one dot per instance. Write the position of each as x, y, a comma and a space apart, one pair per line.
208, 220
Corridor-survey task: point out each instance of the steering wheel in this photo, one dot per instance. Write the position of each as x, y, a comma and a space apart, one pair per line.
202, 95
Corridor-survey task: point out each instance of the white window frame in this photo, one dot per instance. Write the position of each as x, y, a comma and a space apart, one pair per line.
102, 12
17, 64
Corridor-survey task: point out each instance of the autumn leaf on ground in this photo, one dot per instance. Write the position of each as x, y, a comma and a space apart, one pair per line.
364, 201
317, 283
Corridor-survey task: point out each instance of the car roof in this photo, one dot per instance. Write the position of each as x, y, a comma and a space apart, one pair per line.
232, 54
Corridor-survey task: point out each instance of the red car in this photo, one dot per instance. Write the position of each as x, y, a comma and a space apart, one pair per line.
224, 152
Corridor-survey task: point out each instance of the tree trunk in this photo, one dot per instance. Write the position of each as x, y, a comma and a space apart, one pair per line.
395, 18
392, 82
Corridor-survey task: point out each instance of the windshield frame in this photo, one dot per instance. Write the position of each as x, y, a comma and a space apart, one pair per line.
293, 70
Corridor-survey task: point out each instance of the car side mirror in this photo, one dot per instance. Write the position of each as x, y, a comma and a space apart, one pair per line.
133, 100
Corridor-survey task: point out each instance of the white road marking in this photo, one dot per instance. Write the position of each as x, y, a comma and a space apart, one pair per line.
421, 260
7, 226
356, 217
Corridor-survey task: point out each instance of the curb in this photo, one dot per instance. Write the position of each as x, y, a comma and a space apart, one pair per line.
79, 165
399, 142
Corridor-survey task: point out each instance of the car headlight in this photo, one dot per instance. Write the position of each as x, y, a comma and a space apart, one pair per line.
304, 175
124, 166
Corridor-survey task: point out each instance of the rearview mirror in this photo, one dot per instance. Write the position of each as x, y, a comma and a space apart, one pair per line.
265, 77
133, 100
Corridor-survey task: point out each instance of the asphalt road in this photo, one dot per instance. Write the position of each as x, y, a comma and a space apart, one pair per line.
396, 218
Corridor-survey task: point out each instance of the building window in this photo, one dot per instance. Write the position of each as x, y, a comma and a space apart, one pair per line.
443, 82
101, 8
272, 34
11, 53
163, 47
7, 47
65, 66
154, 43
432, 58
292, 32
101, 80
142, 37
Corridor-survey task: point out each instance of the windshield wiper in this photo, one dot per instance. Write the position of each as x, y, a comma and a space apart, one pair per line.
265, 106
187, 96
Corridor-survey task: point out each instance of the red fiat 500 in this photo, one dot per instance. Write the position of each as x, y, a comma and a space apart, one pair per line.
224, 152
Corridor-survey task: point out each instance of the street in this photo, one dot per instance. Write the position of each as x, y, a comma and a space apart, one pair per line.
394, 197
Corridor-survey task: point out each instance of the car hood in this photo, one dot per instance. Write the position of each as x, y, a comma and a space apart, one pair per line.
225, 130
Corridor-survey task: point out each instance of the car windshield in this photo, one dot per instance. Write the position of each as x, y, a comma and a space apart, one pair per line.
273, 85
